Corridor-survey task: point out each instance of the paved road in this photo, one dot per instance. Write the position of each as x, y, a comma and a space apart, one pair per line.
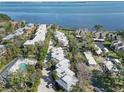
45, 77
4, 72
44, 81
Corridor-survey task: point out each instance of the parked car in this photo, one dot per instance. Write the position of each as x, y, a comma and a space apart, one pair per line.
49, 85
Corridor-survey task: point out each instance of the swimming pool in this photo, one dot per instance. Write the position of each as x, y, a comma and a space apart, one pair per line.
23, 66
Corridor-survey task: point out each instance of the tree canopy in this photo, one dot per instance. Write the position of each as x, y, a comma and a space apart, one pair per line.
99, 27
4, 17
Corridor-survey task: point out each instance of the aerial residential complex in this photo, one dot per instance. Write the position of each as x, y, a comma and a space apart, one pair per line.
50, 58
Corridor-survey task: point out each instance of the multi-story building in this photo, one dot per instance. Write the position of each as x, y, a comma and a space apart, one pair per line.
91, 61
39, 36
61, 38
66, 77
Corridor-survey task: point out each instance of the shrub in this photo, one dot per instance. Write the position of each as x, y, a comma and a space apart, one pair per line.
107, 43
54, 75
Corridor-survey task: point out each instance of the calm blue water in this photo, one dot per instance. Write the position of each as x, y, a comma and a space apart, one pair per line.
73, 15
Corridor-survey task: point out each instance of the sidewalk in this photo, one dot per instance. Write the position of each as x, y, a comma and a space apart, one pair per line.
44, 81
45, 77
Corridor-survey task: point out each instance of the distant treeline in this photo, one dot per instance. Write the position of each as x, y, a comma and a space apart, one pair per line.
4, 17
121, 33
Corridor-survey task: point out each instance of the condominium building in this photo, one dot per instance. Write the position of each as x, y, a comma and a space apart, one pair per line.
91, 61
67, 77
39, 35
61, 38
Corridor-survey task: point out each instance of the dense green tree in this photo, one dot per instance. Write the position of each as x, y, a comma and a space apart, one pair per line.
99, 27
88, 42
77, 89
17, 81
8, 27
23, 23
31, 68
54, 27
54, 75
4, 17
121, 33
108, 82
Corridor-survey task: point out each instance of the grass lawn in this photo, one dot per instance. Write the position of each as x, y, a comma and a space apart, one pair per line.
99, 59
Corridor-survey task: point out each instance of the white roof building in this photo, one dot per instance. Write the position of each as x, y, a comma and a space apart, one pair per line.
18, 32
106, 50
101, 40
30, 25
114, 43
91, 60
98, 51
39, 35
61, 38
120, 47
110, 66
8, 37
64, 71
115, 61
57, 54
65, 63
20, 63
66, 78
118, 44
67, 82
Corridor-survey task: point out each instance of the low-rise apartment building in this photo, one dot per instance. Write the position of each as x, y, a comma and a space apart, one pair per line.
66, 77
108, 66
91, 61
29, 28
39, 36
118, 45
61, 38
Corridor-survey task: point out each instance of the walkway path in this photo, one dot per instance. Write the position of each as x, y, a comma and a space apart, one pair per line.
45, 77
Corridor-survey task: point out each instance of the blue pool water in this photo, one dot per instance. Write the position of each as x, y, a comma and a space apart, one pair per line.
23, 66
73, 15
